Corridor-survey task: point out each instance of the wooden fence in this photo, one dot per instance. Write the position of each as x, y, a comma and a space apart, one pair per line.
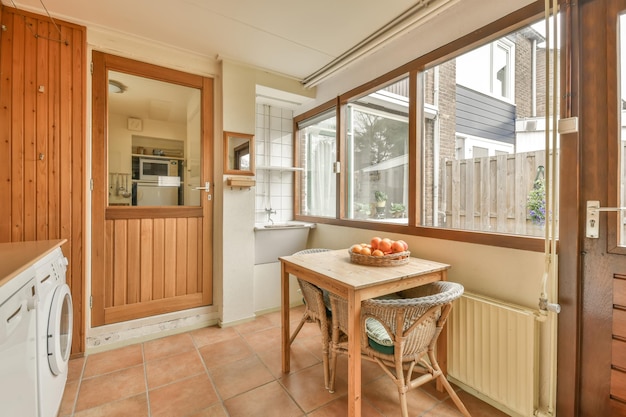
490, 194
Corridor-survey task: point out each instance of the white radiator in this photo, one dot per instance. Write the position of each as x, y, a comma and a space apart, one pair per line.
493, 352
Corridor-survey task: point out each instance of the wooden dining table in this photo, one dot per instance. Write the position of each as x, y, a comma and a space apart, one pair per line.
333, 271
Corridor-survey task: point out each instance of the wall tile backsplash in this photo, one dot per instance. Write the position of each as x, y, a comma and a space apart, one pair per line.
274, 148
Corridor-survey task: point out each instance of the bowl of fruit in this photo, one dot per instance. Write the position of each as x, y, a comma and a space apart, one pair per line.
380, 252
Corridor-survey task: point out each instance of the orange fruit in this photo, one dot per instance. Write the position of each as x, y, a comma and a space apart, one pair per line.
406, 245
385, 245
375, 242
397, 246
366, 251
356, 248
378, 252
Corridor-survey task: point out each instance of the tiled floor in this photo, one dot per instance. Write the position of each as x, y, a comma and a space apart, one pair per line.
236, 372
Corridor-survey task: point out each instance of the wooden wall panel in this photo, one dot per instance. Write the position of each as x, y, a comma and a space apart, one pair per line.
158, 266
152, 262
42, 140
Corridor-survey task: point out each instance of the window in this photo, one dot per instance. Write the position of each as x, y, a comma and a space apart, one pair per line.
489, 69
377, 132
484, 158
317, 139
479, 152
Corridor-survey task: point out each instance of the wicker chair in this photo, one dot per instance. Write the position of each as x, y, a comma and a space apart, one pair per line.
401, 335
315, 311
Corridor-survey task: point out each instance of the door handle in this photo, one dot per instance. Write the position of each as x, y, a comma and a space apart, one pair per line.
207, 188
593, 217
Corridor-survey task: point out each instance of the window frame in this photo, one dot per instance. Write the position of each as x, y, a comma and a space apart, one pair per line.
482, 36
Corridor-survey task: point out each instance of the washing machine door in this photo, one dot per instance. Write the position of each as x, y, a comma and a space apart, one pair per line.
60, 330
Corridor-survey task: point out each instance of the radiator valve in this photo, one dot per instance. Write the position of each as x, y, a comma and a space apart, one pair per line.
544, 305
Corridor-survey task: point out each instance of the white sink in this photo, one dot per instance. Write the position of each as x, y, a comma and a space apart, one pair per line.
280, 239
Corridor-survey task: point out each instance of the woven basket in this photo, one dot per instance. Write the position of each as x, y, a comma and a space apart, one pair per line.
393, 259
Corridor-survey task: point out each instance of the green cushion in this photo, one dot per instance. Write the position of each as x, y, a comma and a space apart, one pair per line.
387, 350
378, 337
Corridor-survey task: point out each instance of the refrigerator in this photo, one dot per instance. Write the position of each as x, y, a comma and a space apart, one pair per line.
152, 194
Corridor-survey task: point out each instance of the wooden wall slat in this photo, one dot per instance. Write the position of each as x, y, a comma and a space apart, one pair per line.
192, 256
169, 277
199, 251
158, 277
133, 254
109, 237
17, 133
6, 117
120, 259
181, 256
54, 147
42, 131
148, 260
30, 111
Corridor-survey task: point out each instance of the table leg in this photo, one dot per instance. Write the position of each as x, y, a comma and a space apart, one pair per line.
354, 354
284, 318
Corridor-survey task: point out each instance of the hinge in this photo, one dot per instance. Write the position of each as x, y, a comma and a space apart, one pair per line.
91, 67
91, 184
90, 301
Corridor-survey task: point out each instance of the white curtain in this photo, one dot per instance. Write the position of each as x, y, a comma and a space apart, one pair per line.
322, 184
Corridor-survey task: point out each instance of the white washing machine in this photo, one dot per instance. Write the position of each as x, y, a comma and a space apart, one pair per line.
18, 352
54, 331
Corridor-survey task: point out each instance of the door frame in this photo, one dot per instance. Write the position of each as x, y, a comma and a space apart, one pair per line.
103, 62
586, 266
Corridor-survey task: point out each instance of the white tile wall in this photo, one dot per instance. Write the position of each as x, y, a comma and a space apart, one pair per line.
274, 147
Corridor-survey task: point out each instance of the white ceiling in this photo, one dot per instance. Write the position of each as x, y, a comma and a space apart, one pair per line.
290, 37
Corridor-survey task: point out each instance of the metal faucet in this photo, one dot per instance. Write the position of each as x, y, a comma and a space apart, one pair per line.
269, 212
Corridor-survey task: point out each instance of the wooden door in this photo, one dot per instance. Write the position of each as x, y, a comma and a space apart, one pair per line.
42, 140
592, 330
148, 260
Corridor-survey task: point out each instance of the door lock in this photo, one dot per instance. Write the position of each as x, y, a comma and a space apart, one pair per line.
207, 188
592, 225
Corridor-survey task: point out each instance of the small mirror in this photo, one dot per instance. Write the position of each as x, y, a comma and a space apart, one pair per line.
238, 153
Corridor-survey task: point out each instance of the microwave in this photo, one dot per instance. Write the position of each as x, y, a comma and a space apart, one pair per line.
151, 169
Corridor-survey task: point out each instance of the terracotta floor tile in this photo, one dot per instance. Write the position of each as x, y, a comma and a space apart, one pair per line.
168, 346
213, 334
260, 323
475, 406
240, 376
183, 397
136, 406
223, 353
216, 410
307, 388
110, 387
264, 340
113, 360
313, 344
75, 369
69, 398
172, 368
383, 395
339, 408
269, 400
301, 358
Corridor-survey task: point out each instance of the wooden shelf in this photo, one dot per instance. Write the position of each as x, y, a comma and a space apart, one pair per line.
240, 182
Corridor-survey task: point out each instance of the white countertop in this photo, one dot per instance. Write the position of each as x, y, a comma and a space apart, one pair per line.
15, 257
